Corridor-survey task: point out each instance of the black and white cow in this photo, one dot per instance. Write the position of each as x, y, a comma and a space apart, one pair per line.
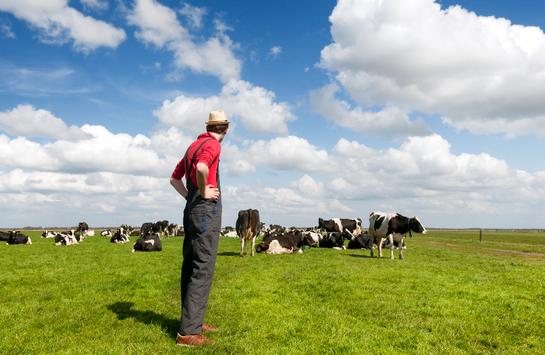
16, 237
150, 228
386, 225
361, 241
151, 242
106, 233
248, 227
66, 238
341, 225
284, 243
333, 240
48, 234
163, 227
120, 236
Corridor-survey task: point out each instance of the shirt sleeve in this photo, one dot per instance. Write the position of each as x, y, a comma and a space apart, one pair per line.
210, 152
179, 170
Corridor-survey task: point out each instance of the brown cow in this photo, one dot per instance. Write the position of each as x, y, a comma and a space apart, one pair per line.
248, 228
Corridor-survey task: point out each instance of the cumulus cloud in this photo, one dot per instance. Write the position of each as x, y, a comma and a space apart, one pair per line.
102, 152
59, 23
158, 26
287, 153
25, 120
253, 106
390, 121
480, 73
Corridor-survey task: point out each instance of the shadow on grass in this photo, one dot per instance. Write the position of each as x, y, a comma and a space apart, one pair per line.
359, 255
229, 253
124, 310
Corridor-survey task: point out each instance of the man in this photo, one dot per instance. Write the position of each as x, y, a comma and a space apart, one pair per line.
202, 224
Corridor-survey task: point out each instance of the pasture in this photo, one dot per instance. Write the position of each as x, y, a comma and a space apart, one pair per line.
451, 295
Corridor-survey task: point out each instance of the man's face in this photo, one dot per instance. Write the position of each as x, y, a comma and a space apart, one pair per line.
224, 134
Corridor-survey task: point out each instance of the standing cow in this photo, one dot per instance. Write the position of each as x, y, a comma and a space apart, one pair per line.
385, 225
248, 227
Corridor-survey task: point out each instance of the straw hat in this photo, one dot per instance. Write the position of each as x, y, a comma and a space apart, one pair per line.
217, 118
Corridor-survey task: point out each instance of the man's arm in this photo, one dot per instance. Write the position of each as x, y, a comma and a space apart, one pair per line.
179, 186
206, 191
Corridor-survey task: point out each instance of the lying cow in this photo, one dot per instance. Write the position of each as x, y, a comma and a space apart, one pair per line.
120, 236
248, 228
385, 225
361, 241
106, 233
17, 237
288, 243
48, 234
65, 238
150, 242
333, 240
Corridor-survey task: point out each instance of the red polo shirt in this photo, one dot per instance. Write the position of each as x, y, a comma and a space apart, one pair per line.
208, 154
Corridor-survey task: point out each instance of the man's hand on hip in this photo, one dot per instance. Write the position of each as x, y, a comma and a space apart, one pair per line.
210, 192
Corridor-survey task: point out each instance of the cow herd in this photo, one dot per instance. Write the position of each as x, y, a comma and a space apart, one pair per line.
148, 234
385, 229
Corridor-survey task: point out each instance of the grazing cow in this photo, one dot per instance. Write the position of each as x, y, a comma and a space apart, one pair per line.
150, 242
248, 228
289, 243
120, 236
48, 234
16, 237
340, 225
386, 225
333, 240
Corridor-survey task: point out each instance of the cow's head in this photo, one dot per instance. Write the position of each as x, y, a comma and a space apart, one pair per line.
416, 226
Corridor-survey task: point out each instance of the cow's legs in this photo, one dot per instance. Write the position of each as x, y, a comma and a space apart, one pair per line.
391, 241
253, 246
370, 244
380, 247
400, 245
242, 242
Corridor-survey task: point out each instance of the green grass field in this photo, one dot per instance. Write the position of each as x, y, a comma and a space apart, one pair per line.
450, 295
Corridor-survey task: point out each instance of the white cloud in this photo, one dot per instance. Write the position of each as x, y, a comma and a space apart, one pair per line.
5, 29
275, 51
25, 120
480, 73
95, 4
60, 23
254, 106
102, 152
159, 26
390, 121
287, 153
193, 14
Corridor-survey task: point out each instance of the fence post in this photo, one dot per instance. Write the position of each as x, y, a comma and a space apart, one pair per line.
480, 235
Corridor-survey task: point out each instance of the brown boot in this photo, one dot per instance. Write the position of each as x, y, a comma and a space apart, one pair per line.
193, 340
209, 328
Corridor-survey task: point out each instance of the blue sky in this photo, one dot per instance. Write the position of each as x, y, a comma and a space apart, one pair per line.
341, 108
